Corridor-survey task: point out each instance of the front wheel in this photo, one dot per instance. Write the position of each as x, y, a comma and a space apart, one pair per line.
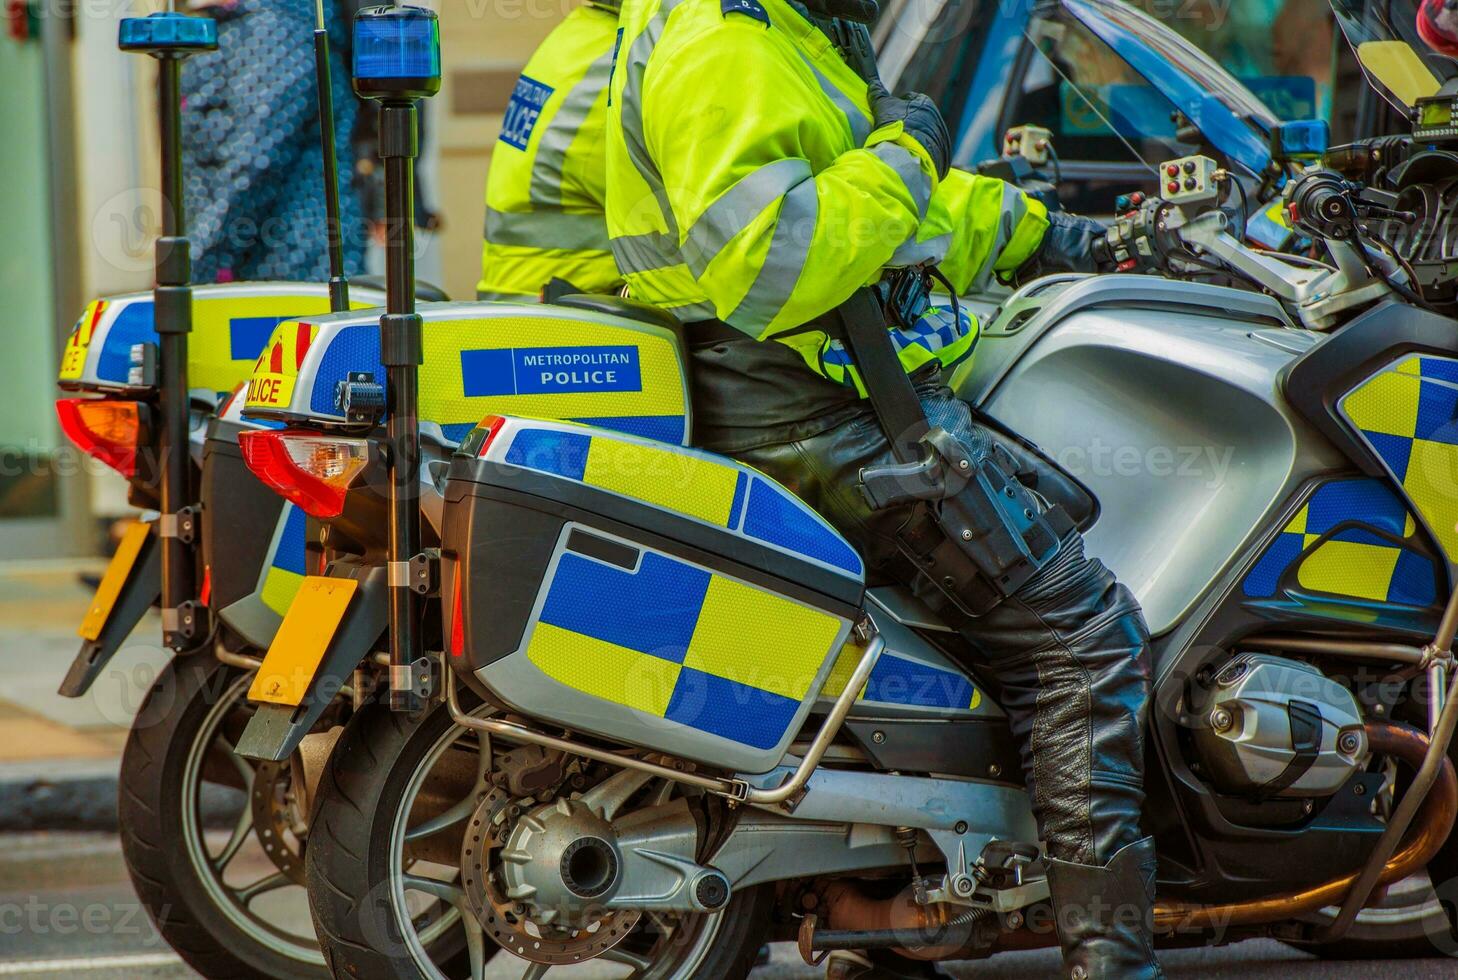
385, 871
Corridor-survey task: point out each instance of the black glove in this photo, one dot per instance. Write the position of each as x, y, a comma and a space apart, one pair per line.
1072, 243
921, 119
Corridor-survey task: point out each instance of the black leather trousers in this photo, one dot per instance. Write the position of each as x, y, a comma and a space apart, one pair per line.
1070, 649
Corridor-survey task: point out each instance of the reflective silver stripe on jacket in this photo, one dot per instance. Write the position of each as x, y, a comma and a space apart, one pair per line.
647, 252
860, 126
908, 167
546, 185
737, 207
913, 252
632, 63
547, 229
1014, 209
789, 247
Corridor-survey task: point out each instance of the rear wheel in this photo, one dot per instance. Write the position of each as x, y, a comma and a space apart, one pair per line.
385, 863
212, 841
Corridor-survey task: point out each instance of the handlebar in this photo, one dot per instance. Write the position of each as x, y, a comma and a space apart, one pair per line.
1182, 238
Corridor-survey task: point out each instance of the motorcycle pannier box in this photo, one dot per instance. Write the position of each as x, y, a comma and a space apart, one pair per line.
644, 592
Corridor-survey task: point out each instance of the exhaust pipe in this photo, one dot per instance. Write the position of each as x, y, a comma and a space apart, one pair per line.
1430, 829
847, 910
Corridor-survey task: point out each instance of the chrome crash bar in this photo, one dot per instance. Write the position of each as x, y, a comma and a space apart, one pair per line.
735, 789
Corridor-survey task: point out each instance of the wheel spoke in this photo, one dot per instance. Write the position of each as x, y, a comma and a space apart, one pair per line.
627, 957
244, 767
475, 944
443, 890
270, 883
230, 850
441, 821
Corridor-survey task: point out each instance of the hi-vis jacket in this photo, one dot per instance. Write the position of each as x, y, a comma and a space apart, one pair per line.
545, 191
745, 182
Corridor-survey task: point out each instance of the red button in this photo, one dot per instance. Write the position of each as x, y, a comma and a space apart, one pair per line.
1173, 187
1126, 265
1172, 170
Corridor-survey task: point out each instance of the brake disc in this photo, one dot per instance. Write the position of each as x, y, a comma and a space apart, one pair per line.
508, 921
276, 822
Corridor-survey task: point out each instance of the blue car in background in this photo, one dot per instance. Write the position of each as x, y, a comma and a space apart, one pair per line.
1119, 88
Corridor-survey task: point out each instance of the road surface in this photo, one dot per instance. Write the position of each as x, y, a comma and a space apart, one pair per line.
67, 910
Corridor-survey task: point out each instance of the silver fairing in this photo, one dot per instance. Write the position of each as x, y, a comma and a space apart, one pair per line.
1164, 399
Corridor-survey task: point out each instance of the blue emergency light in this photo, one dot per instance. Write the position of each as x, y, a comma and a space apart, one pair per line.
164, 32
396, 53
1300, 141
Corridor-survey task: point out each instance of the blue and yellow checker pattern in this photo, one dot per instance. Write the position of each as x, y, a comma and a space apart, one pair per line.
676, 641
706, 487
494, 358
1408, 414
1345, 542
904, 682
232, 324
286, 567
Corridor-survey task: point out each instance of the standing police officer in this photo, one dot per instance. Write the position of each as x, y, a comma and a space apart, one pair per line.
756, 183
546, 187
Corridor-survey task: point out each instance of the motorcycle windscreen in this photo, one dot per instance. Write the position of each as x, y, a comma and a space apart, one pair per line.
1396, 59
489, 358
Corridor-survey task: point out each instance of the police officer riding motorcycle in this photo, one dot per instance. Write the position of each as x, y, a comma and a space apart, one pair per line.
752, 124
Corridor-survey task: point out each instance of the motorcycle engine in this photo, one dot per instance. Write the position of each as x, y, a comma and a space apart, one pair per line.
1271, 727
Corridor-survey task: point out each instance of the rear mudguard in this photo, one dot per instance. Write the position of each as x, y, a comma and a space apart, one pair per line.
276, 730
142, 590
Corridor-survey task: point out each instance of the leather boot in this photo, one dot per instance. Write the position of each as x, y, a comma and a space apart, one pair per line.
1104, 915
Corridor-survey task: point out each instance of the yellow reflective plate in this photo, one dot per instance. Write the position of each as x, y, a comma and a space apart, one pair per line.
302, 640
1398, 67
110, 588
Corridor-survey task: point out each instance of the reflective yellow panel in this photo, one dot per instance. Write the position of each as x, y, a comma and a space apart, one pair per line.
1398, 67
111, 583
302, 640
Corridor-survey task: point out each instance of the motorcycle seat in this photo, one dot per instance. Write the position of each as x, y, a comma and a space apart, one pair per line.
619, 306
425, 292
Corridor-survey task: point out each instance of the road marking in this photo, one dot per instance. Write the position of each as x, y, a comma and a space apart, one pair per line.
62, 967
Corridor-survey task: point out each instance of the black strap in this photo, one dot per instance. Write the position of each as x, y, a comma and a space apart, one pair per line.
862, 322
556, 288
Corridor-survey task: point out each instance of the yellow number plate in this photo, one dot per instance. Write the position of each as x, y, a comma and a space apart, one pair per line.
110, 588
302, 640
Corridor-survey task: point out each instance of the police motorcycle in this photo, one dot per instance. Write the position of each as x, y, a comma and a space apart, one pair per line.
674, 721
166, 415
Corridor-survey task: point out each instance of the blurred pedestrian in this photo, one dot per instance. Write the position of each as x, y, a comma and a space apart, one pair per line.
251, 144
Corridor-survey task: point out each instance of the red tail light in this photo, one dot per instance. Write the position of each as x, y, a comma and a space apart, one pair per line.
457, 645
479, 439
107, 429
311, 470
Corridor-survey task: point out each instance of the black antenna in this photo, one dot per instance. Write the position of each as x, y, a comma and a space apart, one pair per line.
338, 282
171, 38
